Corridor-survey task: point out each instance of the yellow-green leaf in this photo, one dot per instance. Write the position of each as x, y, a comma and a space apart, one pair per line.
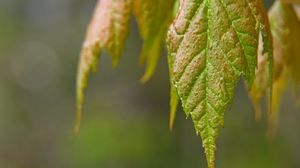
264, 72
266, 44
286, 31
108, 29
290, 1
261, 82
212, 43
285, 26
279, 86
174, 99
154, 18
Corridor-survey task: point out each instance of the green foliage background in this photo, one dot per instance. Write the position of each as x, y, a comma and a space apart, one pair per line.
125, 124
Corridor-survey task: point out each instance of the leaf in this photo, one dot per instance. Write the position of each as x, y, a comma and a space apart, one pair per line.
285, 27
153, 21
266, 44
279, 86
108, 29
174, 99
286, 31
212, 43
260, 84
297, 10
290, 1
264, 72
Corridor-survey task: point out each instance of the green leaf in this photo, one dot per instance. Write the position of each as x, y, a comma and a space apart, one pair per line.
154, 18
212, 43
108, 29
174, 100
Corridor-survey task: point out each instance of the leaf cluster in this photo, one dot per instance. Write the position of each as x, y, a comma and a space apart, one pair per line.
212, 44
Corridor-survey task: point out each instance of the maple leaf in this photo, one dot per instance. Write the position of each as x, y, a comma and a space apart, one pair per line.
279, 86
286, 32
153, 20
212, 43
285, 26
261, 82
108, 30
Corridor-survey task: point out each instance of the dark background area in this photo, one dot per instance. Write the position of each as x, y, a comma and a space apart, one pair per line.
125, 124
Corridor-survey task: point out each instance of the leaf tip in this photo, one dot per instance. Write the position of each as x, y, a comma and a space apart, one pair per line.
257, 111
115, 62
78, 115
146, 77
210, 163
174, 100
209, 144
171, 122
142, 59
76, 129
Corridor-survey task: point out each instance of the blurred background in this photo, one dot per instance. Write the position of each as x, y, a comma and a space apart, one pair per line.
125, 124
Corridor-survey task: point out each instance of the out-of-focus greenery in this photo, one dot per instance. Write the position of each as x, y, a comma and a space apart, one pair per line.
125, 124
